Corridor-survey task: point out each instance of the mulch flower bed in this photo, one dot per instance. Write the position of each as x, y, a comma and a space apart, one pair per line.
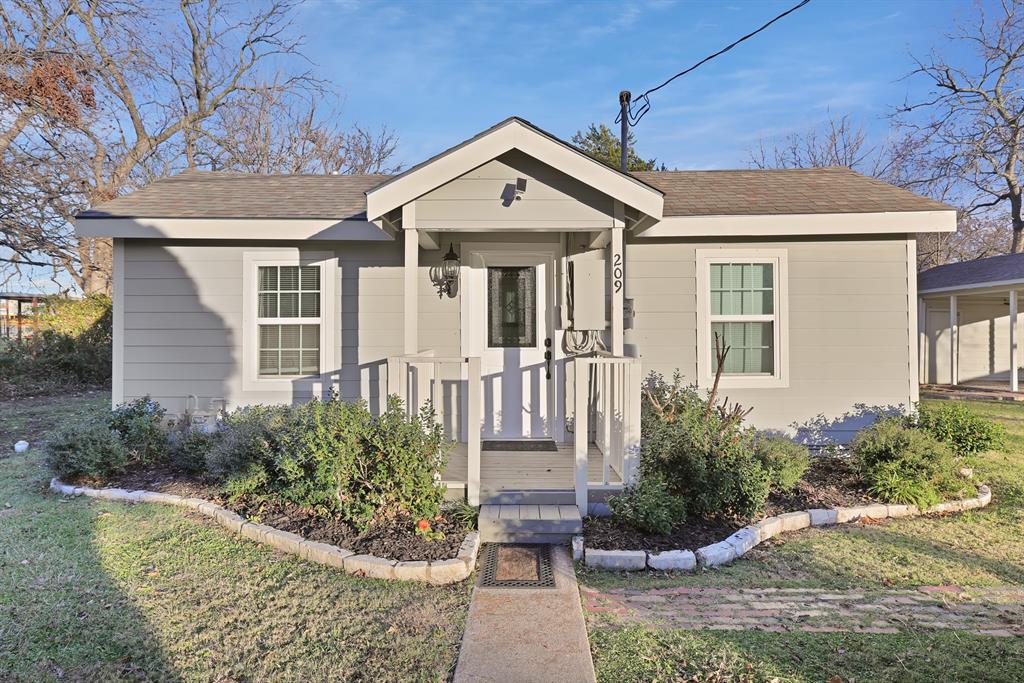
393, 539
604, 533
160, 480
829, 482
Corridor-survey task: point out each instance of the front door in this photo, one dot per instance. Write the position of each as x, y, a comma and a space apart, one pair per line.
510, 309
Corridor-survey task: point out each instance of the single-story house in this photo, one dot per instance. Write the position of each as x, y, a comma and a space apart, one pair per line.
968, 322
526, 289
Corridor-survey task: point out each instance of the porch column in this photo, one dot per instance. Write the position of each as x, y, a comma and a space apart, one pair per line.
581, 437
1013, 340
474, 423
954, 339
617, 279
411, 271
617, 265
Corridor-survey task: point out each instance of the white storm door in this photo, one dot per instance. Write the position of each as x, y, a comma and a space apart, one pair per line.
510, 308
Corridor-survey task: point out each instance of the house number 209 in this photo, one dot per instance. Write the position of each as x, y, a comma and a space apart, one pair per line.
617, 272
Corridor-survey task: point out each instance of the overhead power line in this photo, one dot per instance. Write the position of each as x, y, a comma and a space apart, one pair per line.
642, 104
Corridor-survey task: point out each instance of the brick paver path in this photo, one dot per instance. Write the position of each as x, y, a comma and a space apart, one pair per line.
989, 611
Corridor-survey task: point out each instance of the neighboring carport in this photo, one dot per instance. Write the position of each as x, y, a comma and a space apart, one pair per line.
968, 323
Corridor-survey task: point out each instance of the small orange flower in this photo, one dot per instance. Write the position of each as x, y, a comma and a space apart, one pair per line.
423, 525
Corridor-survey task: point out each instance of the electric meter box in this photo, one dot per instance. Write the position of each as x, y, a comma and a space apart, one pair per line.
588, 295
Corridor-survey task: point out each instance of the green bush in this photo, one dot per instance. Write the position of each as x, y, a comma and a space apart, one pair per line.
71, 347
462, 513
139, 424
190, 449
953, 423
335, 457
904, 465
705, 455
86, 448
784, 459
248, 435
649, 506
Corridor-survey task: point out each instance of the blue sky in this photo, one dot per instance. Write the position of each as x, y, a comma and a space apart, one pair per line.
438, 72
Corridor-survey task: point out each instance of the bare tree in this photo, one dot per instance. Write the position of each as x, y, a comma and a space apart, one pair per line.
970, 126
136, 90
270, 133
902, 159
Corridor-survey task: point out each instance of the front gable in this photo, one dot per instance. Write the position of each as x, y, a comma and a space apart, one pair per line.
531, 150
486, 195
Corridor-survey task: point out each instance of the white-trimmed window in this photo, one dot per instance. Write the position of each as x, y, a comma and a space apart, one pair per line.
743, 303
288, 320
287, 299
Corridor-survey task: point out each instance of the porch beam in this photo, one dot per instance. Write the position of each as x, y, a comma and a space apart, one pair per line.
1013, 341
410, 271
600, 239
954, 335
431, 241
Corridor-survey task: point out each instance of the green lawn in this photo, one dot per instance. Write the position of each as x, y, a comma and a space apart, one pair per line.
972, 549
96, 590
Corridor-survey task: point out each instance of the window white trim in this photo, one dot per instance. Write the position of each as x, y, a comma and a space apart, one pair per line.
251, 379
779, 258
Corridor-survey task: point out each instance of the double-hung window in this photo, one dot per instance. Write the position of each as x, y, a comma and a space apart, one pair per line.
287, 299
743, 309
288, 320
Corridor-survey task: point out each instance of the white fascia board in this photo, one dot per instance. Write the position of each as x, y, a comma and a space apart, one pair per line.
513, 135
803, 224
231, 228
995, 287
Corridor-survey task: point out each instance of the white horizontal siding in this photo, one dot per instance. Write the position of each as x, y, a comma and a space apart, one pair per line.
848, 323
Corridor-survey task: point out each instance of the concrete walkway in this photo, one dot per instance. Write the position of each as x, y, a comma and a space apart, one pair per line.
527, 635
995, 612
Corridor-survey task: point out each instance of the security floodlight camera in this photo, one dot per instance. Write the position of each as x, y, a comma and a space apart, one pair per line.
520, 188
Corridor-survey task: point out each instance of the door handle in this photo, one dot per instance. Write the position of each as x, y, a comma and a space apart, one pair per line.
547, 357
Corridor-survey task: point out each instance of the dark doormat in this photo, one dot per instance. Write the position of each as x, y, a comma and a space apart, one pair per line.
532, 446
517, 566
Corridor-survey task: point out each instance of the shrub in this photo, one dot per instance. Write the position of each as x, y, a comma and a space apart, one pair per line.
71, 347
86, 448
904, 465
335, 457
139, 424
191, 448
248, 435
702, 450
784, 459
956, 425
649, 506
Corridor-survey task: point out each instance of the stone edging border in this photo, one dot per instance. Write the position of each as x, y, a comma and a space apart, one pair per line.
742, 541
436, 572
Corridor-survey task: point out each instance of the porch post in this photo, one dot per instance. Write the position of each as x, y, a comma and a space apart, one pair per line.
581, 437
474, 419
954, 334
1013, 341
617, 264
411, 270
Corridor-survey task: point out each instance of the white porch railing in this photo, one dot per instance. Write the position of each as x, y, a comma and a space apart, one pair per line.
609, 387
418, 378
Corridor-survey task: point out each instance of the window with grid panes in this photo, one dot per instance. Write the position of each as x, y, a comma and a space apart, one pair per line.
289, 319
743, 316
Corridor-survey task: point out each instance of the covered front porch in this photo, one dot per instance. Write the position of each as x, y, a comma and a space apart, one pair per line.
514, 311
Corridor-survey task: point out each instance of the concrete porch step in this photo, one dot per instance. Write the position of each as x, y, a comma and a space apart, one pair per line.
529, 523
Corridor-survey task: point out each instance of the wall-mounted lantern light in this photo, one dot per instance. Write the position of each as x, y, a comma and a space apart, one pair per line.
448, 283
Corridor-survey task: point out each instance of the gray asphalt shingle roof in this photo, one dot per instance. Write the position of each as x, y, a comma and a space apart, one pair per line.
1007, 267
204, 194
